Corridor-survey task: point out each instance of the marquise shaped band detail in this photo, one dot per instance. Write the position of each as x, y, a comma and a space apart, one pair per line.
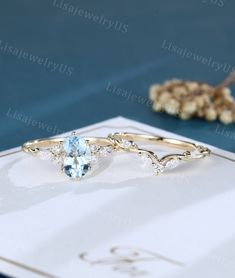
128, 142
76, 155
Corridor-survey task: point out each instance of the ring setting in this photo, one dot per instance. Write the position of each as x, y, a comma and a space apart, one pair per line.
77, 156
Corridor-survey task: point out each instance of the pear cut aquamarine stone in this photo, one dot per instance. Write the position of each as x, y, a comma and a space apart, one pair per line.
77, 156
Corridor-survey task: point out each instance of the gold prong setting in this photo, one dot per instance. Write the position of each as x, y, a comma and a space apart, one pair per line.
67, 154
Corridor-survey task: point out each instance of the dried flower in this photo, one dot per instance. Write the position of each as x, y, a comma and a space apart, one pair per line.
226, 117
164, 97
189, 99
189, 107
184, 116
157, 106
154, 92
210, 114
172, 107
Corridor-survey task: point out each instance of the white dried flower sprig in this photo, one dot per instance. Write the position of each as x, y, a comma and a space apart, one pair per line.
188, 99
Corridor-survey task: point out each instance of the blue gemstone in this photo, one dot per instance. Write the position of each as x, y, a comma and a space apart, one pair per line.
76, 167
77, 157
75, 145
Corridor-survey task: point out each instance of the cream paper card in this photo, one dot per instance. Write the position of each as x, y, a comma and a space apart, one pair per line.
122, 222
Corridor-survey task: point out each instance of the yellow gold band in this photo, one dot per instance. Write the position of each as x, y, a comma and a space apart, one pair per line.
127, 142
34, 146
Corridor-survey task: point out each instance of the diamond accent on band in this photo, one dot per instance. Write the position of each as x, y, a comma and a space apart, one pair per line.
94, 148
77, 158
126, 144
158, 168
57, 154
172, 163
148, 163
146, 160
105, 151
94, 153
195, 154
56, 150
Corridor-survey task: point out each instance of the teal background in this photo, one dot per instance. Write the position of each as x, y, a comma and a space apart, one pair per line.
131, 61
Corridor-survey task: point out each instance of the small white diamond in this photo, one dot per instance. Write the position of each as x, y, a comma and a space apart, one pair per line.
171, 164
56, 150
146, 159
194, 154
158, 168
93, 148
45, 155
126, 144
105, 151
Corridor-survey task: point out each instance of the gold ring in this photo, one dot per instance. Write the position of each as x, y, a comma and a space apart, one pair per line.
75, 155
127, 142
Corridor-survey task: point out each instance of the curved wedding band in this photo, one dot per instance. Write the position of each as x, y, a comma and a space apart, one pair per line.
127, 142
74, 154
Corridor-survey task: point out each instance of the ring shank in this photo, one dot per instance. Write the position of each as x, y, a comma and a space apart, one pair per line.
34, 145
174, 143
